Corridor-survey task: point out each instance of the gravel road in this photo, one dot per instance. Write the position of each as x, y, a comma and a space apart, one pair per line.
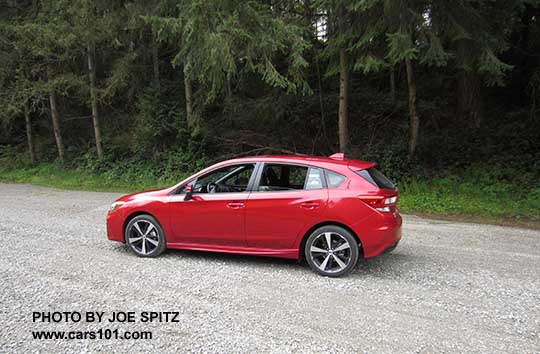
448, 287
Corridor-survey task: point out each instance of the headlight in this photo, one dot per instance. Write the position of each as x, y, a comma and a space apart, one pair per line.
116, 205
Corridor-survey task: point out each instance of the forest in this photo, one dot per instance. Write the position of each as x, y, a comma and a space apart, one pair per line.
132, 94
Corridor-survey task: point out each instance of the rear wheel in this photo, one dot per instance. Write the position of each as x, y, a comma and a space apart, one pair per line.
331, 251
145, 237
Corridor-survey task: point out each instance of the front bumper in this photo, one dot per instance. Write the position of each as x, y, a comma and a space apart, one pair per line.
115, 226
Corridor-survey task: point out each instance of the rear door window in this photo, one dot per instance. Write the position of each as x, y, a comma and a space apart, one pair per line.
282, 177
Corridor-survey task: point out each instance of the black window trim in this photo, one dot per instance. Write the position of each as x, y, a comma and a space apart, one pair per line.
255, 187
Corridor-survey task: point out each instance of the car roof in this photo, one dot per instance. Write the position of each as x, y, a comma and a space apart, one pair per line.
319, 161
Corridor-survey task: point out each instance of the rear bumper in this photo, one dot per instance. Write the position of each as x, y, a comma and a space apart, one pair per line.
391, 248
379, 234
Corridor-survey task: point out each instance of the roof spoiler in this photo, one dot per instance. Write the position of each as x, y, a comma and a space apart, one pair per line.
338, 156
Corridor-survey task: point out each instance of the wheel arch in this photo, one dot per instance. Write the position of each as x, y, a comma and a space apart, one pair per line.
321, 224
134, 215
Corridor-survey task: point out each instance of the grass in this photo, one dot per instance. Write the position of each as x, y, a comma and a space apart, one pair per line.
465, 198
472, 199
50, 175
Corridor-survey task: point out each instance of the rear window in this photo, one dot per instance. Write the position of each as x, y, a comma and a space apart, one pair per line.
375, 177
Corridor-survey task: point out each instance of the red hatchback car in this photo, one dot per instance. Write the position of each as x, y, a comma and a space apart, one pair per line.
328, 210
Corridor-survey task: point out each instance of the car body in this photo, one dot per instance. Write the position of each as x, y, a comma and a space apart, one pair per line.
267, 206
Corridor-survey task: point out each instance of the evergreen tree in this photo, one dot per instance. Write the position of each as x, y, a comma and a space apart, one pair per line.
353, 28
475, 34
218, 39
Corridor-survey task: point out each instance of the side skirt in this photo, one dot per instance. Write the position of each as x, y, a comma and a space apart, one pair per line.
283, 253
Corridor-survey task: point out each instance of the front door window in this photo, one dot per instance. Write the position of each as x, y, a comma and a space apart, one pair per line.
228, 179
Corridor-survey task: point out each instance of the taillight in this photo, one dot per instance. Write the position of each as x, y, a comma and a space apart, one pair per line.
379, 202
391, 200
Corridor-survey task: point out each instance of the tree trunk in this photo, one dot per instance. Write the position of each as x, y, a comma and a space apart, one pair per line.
56, 125
308, 14
469, 99
414, 121
93, 98
343, 100
29, 134
343, 118
155, 58
188, 88
393, 85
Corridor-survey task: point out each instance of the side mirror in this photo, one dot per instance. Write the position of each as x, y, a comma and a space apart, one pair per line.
189, 192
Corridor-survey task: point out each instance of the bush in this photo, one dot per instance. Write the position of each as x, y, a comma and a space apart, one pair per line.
13, 157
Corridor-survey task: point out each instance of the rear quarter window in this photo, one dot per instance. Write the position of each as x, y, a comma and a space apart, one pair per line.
334, 179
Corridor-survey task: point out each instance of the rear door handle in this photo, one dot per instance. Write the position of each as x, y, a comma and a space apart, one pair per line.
235, 205
309, 205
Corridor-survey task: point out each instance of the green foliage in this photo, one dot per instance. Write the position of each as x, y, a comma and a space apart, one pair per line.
369, 64
476, 34
400, 47
492, 68
358, 27
221, 38
476, 194
12, 158
159, 124
107, 174
435, 54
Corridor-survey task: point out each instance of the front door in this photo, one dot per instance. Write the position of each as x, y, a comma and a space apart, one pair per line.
215, 215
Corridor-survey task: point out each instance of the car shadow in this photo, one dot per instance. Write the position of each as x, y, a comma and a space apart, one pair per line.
388, 264
231, 258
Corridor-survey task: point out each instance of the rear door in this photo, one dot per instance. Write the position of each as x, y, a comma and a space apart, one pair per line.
285, 200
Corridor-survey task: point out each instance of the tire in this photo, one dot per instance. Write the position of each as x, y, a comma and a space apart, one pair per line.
335, 260
145, 237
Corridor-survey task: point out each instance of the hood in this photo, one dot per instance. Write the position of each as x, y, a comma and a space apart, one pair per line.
146, 194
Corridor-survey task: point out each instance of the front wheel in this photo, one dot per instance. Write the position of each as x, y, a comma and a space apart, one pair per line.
331, 251
145, 237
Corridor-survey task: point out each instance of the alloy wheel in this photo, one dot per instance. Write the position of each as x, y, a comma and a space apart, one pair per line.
330, 252
144, 237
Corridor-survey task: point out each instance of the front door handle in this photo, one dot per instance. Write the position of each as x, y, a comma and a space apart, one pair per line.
235, 205
309, 205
